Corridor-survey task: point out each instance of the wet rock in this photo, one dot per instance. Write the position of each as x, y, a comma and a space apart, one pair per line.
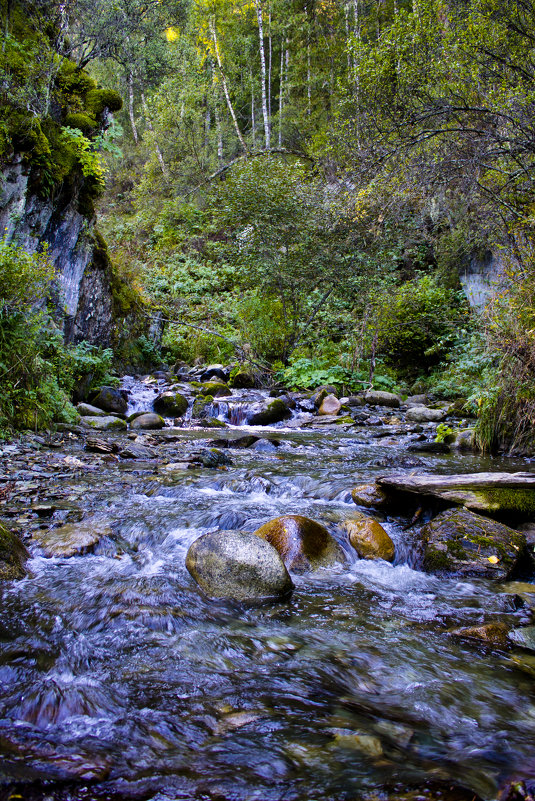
215, 371
239, 566
320, 393
105, 423
171, 404
135, 451
302, 543
149, 421
369, 539
364, 743
212, 457
330, 405
265, 446
212, 422
72, 539
524, 637
370, 496
423, 414
13, 555
466, 544
201, 406
242, 379
490, 633
272, 412
86, 410
429, 447
377, 398
355, 400
95, 445
215, 389
464, 440
111, 400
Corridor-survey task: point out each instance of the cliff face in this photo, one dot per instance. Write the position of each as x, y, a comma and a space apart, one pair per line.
84, 292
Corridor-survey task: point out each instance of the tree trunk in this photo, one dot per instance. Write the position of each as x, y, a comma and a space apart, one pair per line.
281, 94
253, 115
131, 107
219, 134
270, 66
265, 112
163, 166
225, 87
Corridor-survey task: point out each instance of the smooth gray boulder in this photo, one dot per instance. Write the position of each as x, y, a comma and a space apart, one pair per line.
377, 398
86, 410
423, 414
111, 399
238, 565
149, 421
272, 412
108, 423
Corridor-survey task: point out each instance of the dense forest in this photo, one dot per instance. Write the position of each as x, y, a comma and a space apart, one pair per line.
296, 185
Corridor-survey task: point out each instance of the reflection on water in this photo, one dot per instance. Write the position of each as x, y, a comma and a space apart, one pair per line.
118, 674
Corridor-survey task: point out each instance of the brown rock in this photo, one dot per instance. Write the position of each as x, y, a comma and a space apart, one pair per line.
330, 405
72, 539
302, 543
491, 633
370, 496
369, 539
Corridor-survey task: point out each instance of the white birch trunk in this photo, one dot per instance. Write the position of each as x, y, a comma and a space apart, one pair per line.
265, 113
225, 87
131, 107
163, 166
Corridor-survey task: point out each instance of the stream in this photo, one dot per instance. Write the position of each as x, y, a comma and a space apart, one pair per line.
121, 680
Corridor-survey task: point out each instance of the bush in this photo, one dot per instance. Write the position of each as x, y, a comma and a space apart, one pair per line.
418, 324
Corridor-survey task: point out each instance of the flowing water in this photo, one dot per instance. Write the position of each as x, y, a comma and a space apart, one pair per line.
121, 680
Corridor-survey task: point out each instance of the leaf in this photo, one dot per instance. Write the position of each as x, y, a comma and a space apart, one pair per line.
493, 560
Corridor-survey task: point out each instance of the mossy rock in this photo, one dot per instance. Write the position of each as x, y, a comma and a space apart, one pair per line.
86, 124
217, 389
201, 406
97, 100
302, 543
466, 544
13, 555
171, 404
241, 378
273, 412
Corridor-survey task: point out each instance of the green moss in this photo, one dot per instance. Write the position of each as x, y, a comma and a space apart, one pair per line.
436, 561
509, 499
456, 549
86, 124
99, 99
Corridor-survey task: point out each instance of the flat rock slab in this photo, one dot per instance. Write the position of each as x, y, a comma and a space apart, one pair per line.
480, 492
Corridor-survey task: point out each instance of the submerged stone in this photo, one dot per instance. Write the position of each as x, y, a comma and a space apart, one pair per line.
72, 539
489, 633
461, 542
303, 543
238, 565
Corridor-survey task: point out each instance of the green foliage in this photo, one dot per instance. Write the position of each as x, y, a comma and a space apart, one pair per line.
419, 324
444, 432
88, 158
310, 373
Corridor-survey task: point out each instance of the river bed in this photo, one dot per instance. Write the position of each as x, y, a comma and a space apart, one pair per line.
121, 680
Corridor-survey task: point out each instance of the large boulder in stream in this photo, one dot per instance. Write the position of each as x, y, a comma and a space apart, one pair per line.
423, 414
111, 399
241, 378
466, 544
149, 421
238, 566
13, 555
330, 405
269, 413
369, 539
303, 544
170, 404
376, 397
107, 423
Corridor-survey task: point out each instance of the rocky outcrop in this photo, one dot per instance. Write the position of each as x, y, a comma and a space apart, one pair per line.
88, 293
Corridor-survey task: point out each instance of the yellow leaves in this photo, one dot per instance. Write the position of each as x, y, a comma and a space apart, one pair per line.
171, 34
493, 560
